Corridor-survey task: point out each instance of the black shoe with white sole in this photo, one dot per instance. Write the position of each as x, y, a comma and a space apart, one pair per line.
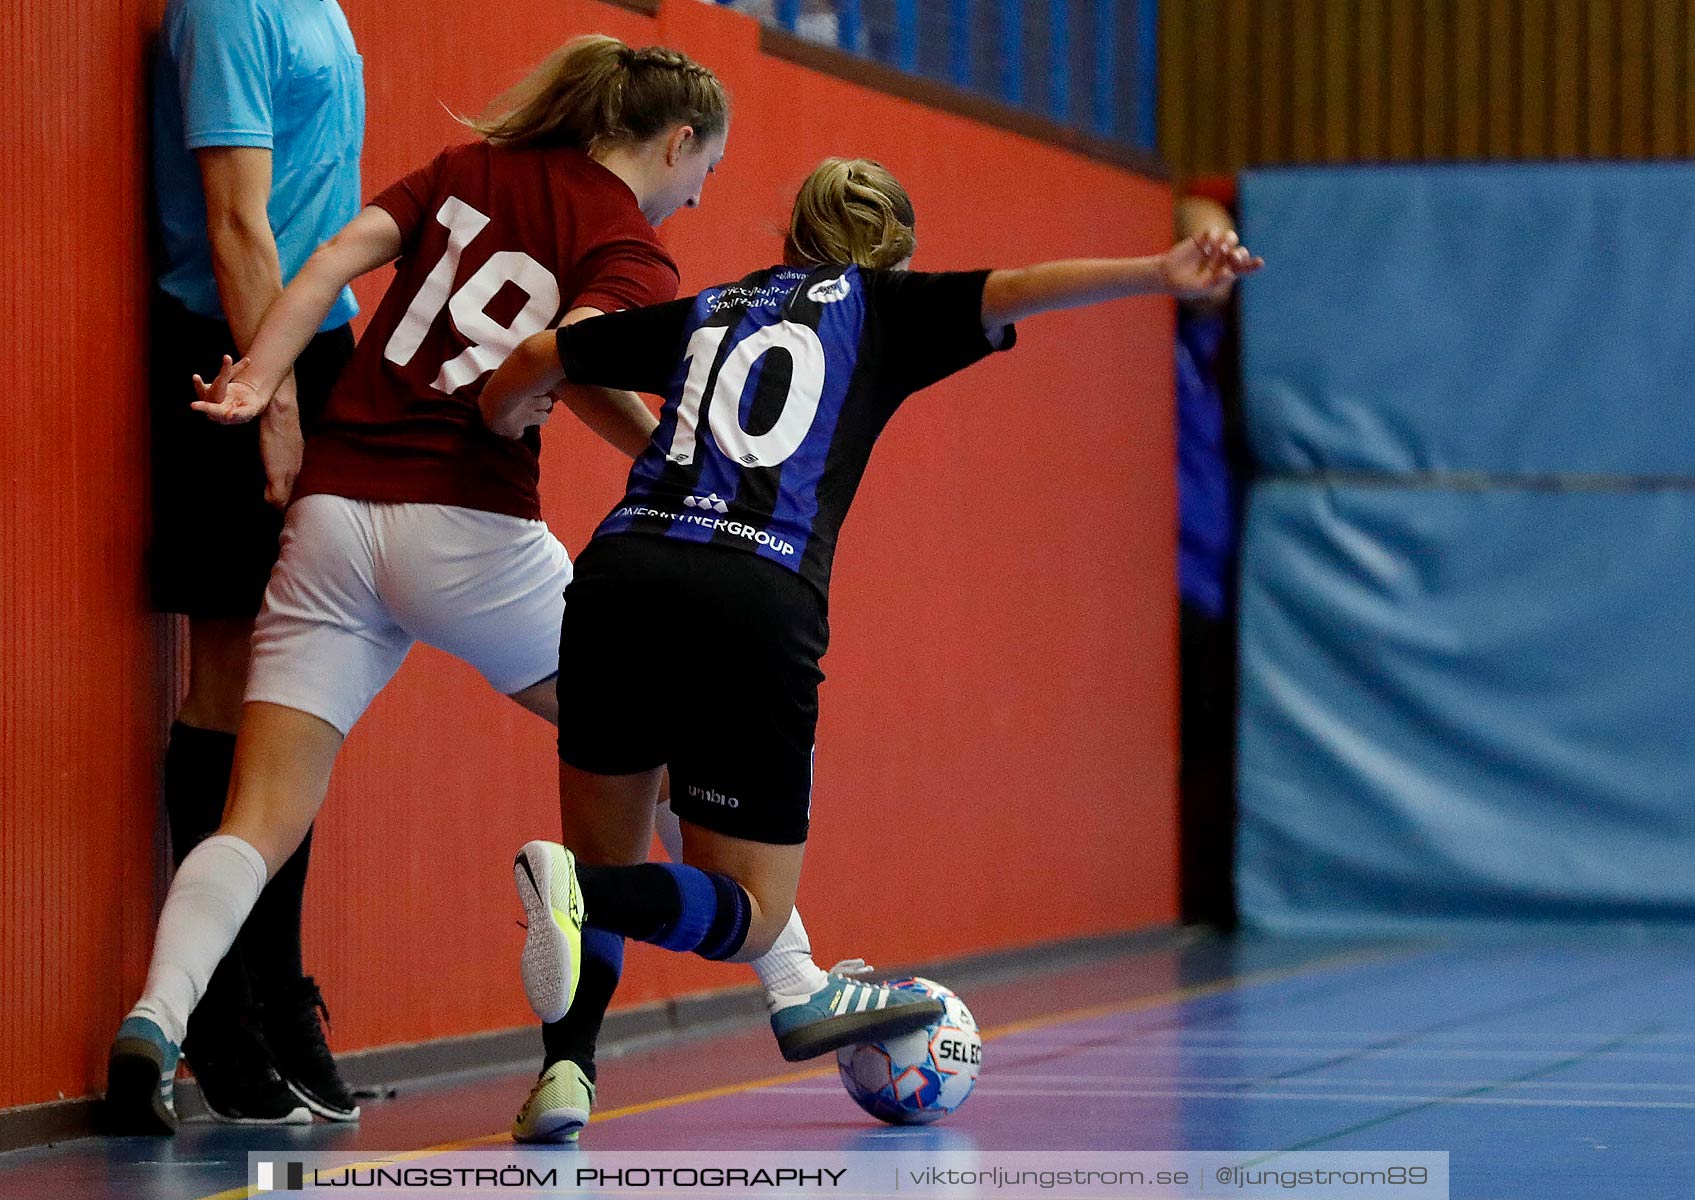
237, 1081
294, 1024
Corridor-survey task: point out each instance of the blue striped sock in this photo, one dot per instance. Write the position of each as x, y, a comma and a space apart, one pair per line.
678, 907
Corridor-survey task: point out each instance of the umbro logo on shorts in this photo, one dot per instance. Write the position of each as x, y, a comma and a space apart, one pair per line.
712, 797
711, 500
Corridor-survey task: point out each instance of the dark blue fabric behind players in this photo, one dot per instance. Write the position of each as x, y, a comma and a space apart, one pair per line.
1205, 500
776, 388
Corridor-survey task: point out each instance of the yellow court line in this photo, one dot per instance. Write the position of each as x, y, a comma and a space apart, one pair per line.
1194, 991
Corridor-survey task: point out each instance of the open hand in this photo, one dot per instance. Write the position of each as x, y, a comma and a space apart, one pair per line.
1204, 267
228, 400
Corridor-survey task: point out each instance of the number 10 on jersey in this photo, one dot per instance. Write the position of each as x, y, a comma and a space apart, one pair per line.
800, 405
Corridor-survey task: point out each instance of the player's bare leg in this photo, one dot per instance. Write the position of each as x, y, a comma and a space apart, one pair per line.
217, 672
728, 901
770, 875
232, 1052
574, 950
282, 770
838, 1011
787, 971
283, 760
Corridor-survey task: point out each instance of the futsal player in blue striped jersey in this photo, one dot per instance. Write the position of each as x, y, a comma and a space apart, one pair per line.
716, 566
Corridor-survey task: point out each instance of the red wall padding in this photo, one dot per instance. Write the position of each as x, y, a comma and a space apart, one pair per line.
997, 756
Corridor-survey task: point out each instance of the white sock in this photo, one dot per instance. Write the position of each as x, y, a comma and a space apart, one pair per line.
670, 831
214, 890
787, 968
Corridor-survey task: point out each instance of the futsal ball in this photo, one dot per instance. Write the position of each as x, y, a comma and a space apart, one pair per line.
921, 1076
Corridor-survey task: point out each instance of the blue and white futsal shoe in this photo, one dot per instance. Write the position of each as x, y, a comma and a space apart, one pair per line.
845, 1012
546, 875
141, 1074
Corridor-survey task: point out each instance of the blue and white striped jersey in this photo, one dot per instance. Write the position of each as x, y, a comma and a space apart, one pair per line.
776, 387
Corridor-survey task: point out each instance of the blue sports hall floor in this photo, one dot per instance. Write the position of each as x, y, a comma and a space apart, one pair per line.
1547, 1067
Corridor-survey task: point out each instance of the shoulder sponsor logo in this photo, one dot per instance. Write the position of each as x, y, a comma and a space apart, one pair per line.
741, 295
829, 291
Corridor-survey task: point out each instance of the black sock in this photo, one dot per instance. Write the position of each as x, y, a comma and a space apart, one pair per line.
197, 781
574, 1035
270, 939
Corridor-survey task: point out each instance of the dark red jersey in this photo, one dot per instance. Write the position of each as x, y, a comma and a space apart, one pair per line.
497, 245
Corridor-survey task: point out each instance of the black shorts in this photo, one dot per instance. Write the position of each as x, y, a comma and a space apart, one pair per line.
215, 539
701, 659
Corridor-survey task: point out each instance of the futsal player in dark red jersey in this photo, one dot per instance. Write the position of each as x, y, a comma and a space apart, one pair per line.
410, 520
709, 579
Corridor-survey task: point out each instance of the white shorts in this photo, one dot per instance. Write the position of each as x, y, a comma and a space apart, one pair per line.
358, 582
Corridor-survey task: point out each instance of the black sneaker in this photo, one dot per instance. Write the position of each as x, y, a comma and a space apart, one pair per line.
237, 1081
294, 1034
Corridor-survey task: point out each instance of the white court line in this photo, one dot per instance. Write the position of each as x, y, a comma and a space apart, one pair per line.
1140, 1049
1342, 1035
1249, 1080
1004, 1093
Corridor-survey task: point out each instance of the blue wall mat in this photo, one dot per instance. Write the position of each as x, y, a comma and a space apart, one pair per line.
1517, 319
1466, 706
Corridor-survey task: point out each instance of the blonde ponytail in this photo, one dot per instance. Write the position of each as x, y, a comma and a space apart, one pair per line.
850, 210
595, 91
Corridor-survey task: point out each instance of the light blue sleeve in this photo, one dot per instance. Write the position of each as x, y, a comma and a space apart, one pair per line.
227, 54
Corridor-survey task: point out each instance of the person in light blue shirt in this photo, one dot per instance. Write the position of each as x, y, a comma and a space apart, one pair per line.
258, 122
276, 75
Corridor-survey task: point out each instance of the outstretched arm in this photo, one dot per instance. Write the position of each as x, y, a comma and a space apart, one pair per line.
243, 390
1193, 267
523, 391
631, 351
619, 417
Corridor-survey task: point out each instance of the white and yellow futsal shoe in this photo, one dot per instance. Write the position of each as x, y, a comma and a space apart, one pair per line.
546, 875
558, 1106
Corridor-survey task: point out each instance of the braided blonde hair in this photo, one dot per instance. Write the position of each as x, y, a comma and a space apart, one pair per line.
596, 91
850, 210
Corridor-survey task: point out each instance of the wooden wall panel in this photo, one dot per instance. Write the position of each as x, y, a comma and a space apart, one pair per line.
1425, 80
1270, 68
1634, 58
1685, 85
1241, 80
1600, 91
1371, 102
1469, 97
1535, 118
1665, 76
1306, 129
